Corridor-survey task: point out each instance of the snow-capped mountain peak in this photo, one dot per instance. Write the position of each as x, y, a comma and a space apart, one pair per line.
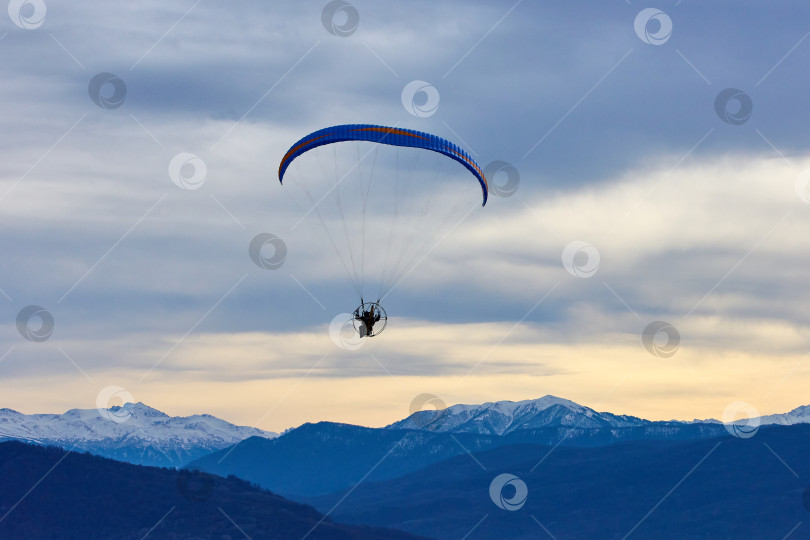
133, 432
501, 417
799, 415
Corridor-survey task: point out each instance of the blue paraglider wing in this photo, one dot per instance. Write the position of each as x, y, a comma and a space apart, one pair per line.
384, 135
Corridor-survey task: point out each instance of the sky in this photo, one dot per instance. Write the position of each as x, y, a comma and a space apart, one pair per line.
643, 250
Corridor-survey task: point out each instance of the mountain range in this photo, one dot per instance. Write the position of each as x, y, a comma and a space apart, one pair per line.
320, 458
588, 474
133, 433
316, 459
137, 433
504, 417
720, 487
49, 493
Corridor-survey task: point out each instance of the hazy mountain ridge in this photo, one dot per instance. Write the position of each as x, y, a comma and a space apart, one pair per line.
727, 487
320, 458
77, 495
316, 458
143, 435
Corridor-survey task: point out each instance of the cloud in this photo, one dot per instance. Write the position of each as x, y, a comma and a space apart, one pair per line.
696, 221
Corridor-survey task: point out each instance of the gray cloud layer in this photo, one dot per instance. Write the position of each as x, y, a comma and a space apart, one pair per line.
96, 232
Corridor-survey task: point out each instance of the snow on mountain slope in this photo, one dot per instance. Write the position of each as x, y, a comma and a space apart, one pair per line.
504, 417
799, 415
134, 433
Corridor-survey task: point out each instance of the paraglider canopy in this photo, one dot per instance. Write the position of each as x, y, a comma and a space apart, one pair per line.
383, 135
